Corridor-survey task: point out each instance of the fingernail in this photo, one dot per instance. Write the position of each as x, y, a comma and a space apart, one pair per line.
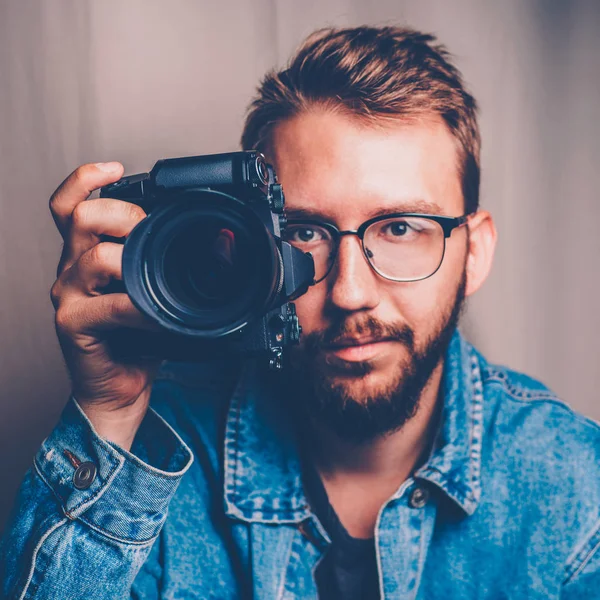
108, 167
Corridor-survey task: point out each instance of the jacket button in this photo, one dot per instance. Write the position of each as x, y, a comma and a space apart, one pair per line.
419, 497
84, 475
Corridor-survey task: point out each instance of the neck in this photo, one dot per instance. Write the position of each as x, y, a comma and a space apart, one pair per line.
397, 452
360, 478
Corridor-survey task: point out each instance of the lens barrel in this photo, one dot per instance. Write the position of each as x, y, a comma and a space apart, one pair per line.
203, 264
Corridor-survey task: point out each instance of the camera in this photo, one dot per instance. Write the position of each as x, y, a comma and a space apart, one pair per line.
207, 264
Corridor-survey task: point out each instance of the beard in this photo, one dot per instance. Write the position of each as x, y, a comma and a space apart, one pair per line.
313, 394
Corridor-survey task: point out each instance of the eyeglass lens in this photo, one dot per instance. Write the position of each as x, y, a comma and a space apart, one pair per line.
398, 248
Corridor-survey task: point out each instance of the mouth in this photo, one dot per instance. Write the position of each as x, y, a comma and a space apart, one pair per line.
358, 349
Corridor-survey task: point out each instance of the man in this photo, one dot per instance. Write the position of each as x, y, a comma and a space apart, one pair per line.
389, 460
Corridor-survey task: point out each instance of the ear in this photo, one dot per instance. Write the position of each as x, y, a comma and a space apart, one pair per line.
482, 244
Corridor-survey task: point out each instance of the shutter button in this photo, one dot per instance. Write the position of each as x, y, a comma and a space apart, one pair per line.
84, 475
419, 497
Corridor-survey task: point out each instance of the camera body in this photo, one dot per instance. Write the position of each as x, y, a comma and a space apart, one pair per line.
208, 264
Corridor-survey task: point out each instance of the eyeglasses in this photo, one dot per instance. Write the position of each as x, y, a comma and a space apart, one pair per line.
399, 246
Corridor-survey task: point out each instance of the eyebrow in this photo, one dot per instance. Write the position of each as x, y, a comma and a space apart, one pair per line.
414, 206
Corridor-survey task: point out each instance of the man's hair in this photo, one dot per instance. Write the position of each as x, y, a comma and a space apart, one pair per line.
371, 73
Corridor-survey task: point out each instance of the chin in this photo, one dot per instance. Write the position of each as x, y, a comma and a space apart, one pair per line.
371, 383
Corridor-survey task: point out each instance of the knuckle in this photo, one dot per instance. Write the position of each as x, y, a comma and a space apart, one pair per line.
117, 309
79, 175
55, 201
75, 180
55, 294
80, 215
134, 212
100, 253
112, 310
124, 213
63, 320
52, 202
104, 256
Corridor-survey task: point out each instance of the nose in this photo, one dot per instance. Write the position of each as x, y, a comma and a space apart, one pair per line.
353, 285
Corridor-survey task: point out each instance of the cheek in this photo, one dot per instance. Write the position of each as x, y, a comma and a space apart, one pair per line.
309, 308
420, 304
423, 304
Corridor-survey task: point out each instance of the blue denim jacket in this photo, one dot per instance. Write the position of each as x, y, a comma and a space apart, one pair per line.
506, 506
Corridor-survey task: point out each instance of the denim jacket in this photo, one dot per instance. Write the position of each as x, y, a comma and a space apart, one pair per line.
209, 503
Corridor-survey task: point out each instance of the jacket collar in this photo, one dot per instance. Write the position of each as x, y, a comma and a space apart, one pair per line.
454, 464
263, 480
262, 473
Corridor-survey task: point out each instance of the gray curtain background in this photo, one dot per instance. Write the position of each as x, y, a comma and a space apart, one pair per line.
140, 80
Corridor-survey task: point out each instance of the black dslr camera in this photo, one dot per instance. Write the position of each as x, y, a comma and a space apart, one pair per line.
208, 264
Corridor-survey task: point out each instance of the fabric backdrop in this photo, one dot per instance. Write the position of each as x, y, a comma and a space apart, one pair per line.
140, 80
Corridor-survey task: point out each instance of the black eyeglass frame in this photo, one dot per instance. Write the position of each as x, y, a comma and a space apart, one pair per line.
448, 225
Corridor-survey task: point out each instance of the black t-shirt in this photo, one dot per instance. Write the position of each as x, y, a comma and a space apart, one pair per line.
348, 571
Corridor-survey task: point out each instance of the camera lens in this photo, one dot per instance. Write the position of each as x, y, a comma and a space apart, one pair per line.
207, 267
204, 264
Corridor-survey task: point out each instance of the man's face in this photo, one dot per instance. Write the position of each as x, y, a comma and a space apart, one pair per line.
338, 170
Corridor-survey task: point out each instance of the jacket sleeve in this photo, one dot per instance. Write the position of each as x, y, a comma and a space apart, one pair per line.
88, 512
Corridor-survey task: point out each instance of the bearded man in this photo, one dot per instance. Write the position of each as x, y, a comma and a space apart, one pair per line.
388, 459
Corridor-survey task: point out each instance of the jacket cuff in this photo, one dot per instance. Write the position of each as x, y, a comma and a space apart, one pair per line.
122, 494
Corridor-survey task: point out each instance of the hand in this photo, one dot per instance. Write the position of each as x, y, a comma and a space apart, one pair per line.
114, 394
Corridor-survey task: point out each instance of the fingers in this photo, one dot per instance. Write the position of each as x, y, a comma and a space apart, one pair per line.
88, 265
95, 269
78, 186
93, 218
77, 296
81, 307
100, 313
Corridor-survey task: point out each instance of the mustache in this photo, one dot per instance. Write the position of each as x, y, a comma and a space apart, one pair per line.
367, 327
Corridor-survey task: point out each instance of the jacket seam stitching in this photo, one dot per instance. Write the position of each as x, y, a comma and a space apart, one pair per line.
236, 450
231, 453
36, 552
42, 476
138, 463
422, 551
590, 547
100, 489
585, 561
542, 397
111, 536
122, 456
515, 393
476, 429
281, 590
241, 504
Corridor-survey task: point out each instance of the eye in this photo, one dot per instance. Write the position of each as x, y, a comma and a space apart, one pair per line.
398, 228
305, 234
402, 229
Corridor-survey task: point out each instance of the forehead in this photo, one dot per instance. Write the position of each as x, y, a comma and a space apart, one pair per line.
347, 171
